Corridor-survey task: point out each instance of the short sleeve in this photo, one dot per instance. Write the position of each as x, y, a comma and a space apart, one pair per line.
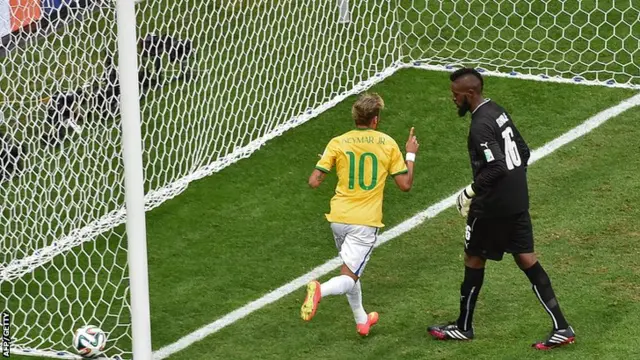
397, 165
328, 159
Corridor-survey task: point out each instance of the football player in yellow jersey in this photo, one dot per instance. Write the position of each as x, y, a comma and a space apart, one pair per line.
363, 158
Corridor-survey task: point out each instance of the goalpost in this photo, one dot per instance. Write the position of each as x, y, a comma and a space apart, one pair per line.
83, 153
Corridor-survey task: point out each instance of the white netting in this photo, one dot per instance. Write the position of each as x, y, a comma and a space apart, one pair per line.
596, 40
218, 79
63, 174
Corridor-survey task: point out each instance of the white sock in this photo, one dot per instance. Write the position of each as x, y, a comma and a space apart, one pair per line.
337, 285
355, 300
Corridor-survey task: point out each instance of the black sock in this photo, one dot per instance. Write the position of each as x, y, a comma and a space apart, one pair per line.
469, 291
541, 285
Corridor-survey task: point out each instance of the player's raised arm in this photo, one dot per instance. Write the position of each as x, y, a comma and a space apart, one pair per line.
404, 179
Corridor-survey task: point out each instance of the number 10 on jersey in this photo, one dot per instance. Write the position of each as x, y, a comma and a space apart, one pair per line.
362, 162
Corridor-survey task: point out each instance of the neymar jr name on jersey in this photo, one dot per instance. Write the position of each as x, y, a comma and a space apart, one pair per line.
364, 140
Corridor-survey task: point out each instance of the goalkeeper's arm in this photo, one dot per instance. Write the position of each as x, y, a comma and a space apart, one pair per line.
495, 167
488, 176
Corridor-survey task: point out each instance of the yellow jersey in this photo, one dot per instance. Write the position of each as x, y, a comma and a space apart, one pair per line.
363, 159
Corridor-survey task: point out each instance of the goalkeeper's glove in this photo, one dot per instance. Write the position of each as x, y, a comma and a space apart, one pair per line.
464, 200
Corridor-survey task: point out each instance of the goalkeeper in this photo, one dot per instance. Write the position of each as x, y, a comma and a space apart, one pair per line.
496, 206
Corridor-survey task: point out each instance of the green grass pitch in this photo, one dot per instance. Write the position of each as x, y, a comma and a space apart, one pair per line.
234, 236
268, 228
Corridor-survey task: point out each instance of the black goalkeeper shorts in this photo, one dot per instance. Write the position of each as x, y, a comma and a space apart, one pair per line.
490, 238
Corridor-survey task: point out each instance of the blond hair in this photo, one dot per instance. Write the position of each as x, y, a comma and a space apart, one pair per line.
366, 108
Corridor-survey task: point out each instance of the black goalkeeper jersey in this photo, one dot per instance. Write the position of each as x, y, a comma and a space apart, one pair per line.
499, 157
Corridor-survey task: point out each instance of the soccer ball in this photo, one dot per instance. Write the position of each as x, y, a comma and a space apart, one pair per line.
89, 341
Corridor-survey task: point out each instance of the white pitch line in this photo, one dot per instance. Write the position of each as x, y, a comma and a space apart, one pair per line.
391, 234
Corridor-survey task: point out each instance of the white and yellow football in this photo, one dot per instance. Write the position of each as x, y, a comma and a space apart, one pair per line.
89, 341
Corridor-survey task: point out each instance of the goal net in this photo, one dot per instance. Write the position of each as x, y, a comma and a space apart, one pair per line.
594, 41
217, 79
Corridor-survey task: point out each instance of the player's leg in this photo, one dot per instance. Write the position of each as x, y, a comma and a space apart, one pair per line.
346, 283
542, 288
358, 246
354, 296
562, 333
470, 289
523, 254
355, 244
341, 284
476, 252
336, 285
462, 328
